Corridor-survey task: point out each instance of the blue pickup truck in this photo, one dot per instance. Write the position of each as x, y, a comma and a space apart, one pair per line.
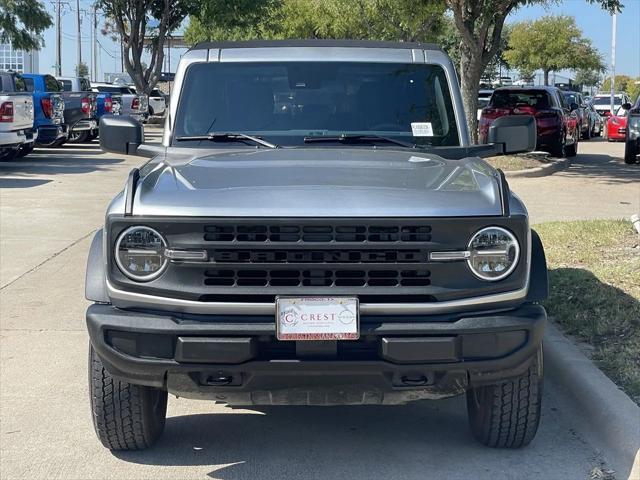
79, 107
48, 109
107, 103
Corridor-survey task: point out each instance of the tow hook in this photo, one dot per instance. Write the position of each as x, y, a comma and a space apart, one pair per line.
414, 380
218, 380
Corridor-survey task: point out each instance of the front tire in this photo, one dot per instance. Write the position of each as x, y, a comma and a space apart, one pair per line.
125, 416
507, 415
79, 137
630, 153
572, 150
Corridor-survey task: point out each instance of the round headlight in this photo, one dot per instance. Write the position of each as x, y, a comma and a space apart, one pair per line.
493, 253
139, 253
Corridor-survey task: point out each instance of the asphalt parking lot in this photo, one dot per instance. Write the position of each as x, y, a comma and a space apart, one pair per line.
51, 202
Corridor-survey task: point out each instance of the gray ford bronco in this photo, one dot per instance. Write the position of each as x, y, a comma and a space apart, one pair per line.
316, 229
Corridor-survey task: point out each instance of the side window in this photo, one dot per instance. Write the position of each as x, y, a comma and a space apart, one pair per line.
51, 84
21, 86
85, 86
561, 99
28, 83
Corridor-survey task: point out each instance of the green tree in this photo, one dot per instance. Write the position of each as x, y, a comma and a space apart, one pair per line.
82, 70
622, 83
143, 25
550, 44
480, 23
588, 77
401, 20
22, 23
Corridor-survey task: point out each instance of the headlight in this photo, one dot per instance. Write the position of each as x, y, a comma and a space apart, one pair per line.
139, 253
493, 253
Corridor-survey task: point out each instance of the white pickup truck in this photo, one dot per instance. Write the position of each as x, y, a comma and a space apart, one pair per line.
16, 118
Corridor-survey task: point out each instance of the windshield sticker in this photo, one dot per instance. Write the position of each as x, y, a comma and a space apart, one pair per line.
422, 129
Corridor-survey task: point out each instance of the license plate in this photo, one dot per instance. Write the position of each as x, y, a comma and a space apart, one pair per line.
317, 318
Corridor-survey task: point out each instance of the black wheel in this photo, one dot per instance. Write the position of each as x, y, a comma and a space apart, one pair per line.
151, 113
587, 134
79, 137
8, 154
631, 153
572, 150
557, 148
92, 136
125, 416
25, 150
57, 143
507, 415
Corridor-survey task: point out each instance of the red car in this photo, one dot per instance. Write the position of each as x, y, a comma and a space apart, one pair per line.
556, 121
617, 125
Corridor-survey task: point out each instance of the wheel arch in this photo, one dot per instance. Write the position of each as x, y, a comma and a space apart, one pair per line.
95, 286
539, 275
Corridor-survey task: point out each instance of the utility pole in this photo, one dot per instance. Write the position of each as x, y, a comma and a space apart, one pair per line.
58, 41
613, 64
79, 39
95, 42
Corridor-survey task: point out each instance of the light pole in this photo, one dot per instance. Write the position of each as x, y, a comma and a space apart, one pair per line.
79, 48
613, 63
58, 41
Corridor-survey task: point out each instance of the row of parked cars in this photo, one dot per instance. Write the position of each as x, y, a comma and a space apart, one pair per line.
42, 110
563, 118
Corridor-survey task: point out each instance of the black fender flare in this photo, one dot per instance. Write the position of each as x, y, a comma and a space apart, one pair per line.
539, 275
95, 285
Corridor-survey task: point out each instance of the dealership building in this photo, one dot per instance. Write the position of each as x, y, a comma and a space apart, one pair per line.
18, 60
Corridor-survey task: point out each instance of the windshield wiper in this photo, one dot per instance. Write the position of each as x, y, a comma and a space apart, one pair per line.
357, 138
227, 137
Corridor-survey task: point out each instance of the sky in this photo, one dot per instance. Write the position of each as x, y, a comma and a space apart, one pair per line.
594, 22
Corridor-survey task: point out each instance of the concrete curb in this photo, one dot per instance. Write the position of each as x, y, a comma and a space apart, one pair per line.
542, 171
603, 414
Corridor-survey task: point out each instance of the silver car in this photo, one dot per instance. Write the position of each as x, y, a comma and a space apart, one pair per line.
316, 229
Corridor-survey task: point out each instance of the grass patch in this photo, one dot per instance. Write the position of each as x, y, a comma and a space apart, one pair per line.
517, 162
594, 276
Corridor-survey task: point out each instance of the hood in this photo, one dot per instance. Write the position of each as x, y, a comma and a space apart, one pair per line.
316, 182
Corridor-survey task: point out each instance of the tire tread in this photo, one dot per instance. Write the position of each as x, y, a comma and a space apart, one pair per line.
118, 410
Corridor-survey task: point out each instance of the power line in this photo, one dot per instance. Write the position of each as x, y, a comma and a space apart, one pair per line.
105, 50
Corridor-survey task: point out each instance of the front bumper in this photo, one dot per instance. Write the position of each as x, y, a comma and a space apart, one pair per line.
236, 359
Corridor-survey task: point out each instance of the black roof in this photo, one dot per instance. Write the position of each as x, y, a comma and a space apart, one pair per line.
315, 43
548, 88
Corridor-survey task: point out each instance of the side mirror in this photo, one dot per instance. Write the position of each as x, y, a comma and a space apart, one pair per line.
515, 133
626, 106
573, 107
120, 134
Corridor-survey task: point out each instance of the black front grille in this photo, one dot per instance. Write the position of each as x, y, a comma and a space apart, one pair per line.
318, 277
317, 233
315, 254
318, 256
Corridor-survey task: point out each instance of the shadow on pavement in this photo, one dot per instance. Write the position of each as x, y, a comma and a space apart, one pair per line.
22, 182
415, 441
603, 168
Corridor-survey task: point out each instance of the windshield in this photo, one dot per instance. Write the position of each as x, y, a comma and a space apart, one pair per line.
284, 102
606, 100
